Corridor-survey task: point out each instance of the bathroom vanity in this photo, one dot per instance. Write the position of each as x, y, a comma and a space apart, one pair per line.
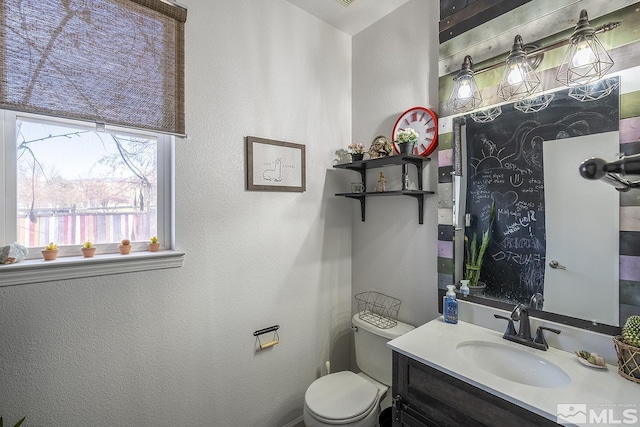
425, 396
453, 375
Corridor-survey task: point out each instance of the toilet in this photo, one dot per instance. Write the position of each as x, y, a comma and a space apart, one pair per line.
349, 399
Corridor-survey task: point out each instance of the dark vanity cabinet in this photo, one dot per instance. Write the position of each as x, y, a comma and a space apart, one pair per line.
425, 396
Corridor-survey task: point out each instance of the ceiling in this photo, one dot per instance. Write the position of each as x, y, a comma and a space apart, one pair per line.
349, 16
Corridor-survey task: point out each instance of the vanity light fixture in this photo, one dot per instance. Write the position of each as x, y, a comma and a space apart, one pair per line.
586, 60
534, 104
488, 115
594, 91
465, 95
519, 80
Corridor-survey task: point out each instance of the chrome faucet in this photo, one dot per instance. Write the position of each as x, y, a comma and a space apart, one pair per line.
536, 301
520, 314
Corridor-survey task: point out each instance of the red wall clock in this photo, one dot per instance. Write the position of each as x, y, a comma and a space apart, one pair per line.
425, 122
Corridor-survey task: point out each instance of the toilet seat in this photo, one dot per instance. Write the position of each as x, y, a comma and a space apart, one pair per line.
341, 398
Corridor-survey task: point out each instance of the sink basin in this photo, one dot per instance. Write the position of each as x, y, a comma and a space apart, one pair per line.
513, 364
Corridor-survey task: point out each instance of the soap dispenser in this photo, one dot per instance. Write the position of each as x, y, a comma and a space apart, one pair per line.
464, 287
450, 306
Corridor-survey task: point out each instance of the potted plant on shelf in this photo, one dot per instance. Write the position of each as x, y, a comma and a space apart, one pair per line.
406, 139
88, 250
154, 244
50, 252
357, 151
125, 246
474, 255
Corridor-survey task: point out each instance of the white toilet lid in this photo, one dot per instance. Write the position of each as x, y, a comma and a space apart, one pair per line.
341, 396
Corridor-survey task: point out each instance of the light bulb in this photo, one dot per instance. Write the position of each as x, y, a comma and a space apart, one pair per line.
464, 91
584, 55
515, 75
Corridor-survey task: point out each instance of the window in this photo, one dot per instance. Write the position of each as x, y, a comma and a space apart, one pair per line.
74, 184
90, 92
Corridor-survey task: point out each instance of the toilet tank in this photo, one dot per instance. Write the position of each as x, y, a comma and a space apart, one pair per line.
373, 357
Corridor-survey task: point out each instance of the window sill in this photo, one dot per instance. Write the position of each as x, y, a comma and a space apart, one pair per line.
33, 271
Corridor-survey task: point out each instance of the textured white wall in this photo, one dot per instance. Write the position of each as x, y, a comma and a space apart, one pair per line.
394, 69
175, 347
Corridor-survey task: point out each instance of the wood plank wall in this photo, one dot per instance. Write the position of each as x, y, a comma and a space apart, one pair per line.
458, 16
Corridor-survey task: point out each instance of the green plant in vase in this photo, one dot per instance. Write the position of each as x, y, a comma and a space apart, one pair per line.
474, 254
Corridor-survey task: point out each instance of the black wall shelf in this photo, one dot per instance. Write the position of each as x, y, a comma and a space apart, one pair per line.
362, 166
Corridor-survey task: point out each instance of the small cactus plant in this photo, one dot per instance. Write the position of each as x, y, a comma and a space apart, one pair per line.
125, 246
154, 244
50, 252
87, 244
631, 331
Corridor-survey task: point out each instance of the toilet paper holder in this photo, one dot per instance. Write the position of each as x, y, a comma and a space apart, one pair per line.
275, 339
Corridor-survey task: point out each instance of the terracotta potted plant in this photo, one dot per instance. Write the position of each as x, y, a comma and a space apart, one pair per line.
88, 250
50, 252
125, 246
154, 244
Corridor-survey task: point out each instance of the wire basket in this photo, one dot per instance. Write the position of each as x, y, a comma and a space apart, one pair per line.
628, 360
378, 309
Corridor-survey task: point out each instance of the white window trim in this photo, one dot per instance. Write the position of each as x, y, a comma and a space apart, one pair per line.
35, 270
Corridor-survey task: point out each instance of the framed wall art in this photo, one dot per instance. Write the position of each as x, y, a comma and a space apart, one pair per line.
275, 165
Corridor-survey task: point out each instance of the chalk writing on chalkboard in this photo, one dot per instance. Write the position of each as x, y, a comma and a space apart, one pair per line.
505, 166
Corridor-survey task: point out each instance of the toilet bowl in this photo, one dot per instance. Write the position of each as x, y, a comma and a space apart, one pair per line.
349, 399
345, 399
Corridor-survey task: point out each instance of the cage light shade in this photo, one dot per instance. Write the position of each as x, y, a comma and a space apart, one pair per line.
519, 80
465, 95
586, 60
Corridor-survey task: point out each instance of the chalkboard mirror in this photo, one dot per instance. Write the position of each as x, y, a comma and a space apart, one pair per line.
555, 234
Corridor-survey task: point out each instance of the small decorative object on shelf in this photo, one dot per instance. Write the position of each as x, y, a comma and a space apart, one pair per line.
342, 156
50, 252
88, 250
380, 147
382, 183
154, 245
357, 151
357, 187
407, 139
13, 253
125, 246
628, 349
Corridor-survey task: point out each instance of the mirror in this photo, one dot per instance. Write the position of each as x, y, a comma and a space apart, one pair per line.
555, 234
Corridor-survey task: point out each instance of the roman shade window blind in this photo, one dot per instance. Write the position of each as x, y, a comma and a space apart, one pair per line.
117, 62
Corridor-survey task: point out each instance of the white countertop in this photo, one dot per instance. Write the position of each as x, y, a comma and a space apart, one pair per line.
435, 344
